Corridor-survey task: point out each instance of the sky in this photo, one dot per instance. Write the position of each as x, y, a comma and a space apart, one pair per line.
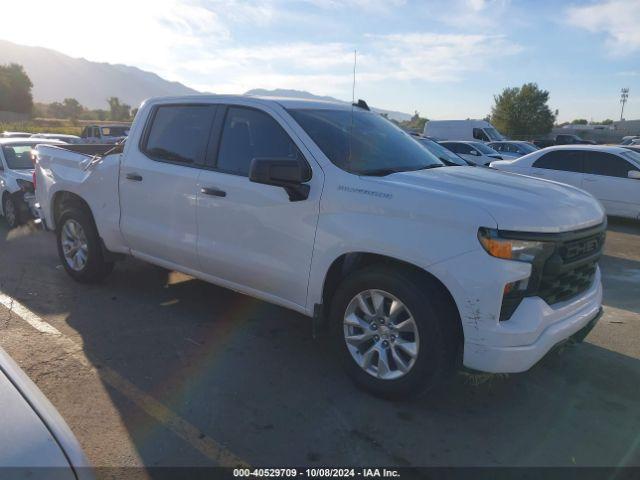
444, 58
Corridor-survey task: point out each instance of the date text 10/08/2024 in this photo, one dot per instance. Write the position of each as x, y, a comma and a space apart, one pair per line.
317, 472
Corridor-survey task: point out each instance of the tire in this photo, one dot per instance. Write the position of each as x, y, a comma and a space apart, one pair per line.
76, 222
436, 328
12, 211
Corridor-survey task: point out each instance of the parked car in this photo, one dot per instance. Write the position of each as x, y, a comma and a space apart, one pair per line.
58, 136
6, 134
332, 211
512, 149
562, 139
633, 148
462, 130
445, 155
629, 139
36, 441
611, 174
104, 133
475, 152
16, 182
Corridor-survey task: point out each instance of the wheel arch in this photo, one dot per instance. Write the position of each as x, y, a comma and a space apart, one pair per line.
350, 262
63, 200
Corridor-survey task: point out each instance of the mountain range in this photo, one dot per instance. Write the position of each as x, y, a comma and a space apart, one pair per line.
56, 76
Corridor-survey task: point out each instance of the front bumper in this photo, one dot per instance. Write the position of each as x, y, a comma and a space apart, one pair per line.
535, 329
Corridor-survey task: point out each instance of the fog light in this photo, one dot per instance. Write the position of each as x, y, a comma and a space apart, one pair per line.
512, 295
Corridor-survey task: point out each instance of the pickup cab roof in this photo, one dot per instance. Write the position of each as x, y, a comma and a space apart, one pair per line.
284, 102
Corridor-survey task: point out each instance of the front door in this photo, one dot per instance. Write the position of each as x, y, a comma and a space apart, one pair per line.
252, 236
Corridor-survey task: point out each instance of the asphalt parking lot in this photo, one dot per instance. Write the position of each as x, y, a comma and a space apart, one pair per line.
155, 368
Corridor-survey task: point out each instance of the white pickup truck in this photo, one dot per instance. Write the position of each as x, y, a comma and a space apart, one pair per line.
332, 211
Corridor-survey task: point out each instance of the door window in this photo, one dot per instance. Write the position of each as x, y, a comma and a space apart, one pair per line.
179, 133
564, 160
479, 134
607, 164
249, 134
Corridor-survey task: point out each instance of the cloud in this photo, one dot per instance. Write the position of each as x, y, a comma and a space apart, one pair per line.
327, 68
366, 5
618, 20
437, 57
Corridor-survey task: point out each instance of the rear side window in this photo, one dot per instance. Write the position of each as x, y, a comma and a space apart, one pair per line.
179, 133
250, 134
564, 160
607, 164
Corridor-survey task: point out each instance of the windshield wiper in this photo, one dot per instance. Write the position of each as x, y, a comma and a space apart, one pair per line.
383, 172
380, 172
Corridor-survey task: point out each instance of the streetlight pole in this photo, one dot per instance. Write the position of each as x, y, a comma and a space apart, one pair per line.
624, 95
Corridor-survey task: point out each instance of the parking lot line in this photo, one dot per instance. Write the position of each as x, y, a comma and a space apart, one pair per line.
179, 426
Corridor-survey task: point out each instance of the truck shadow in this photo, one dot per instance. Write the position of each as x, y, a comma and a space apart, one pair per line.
249, 376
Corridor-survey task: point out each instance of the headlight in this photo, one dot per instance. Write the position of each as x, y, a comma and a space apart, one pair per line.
510, 248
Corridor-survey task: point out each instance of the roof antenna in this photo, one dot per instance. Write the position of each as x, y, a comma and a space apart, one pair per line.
361, 103
353, 90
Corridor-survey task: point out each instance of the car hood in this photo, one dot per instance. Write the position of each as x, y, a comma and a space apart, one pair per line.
516, 202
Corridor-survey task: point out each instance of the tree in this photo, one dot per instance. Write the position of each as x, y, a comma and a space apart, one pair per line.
73, 108
607, 121
522, 111
15, 89
415, 124
119, 111
69, 108
579, 121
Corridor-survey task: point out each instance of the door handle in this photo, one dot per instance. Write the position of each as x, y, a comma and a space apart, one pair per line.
134, 176
213, 192
590, 180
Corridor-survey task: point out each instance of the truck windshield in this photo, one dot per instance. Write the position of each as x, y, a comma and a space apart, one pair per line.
363, 142
18, 157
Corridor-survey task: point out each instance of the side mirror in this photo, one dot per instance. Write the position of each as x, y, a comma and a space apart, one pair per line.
474, 152
635, 174
287, 173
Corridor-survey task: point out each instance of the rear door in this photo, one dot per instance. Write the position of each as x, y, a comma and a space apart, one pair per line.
159, 184
565, 166
252, 236
606, 178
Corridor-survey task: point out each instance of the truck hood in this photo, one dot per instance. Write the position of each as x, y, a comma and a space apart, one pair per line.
516, 202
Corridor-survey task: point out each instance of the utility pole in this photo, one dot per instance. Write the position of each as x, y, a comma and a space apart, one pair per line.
624, 95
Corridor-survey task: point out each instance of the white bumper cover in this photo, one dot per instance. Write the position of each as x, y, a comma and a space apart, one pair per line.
533, 330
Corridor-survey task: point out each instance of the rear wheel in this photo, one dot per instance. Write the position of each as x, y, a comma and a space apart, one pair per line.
394, 332
79, 247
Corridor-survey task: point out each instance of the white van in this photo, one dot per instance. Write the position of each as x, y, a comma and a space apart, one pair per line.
462, 130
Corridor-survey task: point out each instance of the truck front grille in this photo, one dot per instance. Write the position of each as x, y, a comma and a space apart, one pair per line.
558, 288
569, 271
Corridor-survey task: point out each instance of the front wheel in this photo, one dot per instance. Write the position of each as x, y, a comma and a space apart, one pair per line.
79, 247
11, 211
395, 333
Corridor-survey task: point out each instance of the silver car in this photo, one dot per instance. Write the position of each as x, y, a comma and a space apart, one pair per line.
512, 149
35, 442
